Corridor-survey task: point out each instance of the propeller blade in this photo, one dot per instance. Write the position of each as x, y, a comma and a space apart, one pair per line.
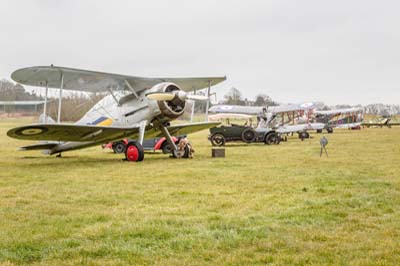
160, 96
197, 97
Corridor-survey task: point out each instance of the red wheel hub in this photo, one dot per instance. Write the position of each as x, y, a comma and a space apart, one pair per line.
132, 153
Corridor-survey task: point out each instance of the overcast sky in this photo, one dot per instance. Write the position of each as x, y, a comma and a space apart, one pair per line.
332, 51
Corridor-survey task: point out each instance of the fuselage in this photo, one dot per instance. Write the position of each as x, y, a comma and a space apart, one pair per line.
123, 109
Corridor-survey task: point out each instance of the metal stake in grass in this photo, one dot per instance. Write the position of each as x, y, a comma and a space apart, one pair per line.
323, 141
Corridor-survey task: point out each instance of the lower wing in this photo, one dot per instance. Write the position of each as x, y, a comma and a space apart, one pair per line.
85, 133
70, 132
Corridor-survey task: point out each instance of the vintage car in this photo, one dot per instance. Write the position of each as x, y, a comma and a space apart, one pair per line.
233, 132
154, 144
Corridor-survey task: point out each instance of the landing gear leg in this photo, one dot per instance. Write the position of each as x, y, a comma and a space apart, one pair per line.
174, 149
59, 155
134, 150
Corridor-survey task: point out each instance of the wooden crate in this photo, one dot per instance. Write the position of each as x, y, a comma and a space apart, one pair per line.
218, 152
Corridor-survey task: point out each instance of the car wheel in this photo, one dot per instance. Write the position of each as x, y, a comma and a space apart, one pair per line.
277, 140
166, 148
217, 139
248, 135
119, 147
270, 138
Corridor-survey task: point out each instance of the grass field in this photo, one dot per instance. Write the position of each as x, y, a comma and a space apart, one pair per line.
261, 205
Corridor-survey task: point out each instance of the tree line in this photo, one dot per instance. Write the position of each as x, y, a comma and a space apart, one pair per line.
234, 97
73, 107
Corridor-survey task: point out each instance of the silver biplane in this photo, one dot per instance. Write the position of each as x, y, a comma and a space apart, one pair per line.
350, 118
135, 107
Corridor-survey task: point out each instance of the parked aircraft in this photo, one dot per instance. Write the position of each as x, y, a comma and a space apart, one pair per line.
135, 107
381, 122
351, 118
285, 119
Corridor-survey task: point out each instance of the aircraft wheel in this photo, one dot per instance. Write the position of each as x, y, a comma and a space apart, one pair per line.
118, 147
304, 135
270, 138
249, 135
278, 140
134, 152
329, 130
217, 139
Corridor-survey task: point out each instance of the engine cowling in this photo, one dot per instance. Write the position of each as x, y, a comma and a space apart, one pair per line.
173, 108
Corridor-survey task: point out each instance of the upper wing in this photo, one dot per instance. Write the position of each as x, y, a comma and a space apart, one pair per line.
339, 111
229, 116
254, 110
69, 132
236, 109
93, 81
290, 108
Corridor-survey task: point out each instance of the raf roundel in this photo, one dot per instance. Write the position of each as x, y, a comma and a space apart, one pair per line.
226, 107
31, 131
306, 105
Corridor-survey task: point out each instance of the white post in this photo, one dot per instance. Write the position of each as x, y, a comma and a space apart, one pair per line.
60, 99
208, 100
45, 103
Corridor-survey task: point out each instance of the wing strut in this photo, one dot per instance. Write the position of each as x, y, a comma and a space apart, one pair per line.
193, 103
45, 103
132, 90
60, 98
112, 94
208, 100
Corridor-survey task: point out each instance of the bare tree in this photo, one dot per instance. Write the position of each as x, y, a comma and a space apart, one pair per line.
264, 100
234, 97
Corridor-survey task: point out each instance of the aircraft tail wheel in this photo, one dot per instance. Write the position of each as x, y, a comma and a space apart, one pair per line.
134, 152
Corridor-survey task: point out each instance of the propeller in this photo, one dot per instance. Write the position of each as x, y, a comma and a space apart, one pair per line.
169, 96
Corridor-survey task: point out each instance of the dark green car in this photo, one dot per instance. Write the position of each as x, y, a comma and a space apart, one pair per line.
227, 133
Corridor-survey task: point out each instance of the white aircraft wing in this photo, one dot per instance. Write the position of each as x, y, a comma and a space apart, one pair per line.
229, 116
93, 81
254, 110
339, 111
300, 127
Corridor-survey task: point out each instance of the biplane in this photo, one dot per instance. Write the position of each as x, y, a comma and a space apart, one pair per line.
134, 107
350, 118
381, 122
